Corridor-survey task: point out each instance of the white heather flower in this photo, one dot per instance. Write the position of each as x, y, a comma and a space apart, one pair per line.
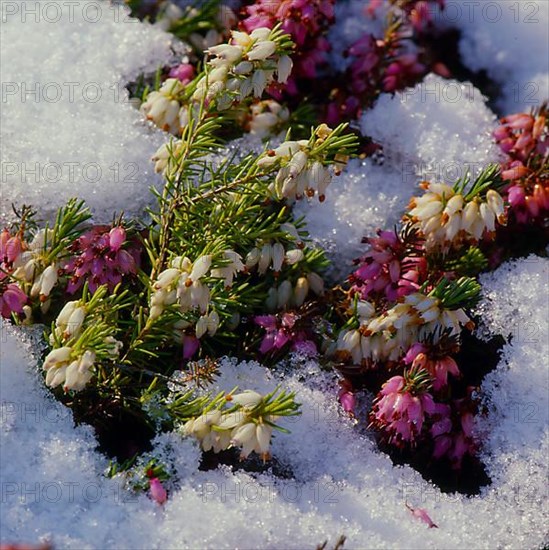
247, 399
294, 256
201, 267
245, 436
495, 202
259, 81
316, 283
201, 428
69, 321
252, 258
227, 52
300, 291
162, 107
261, 33
45, 282
253, 437
79, 372
265, 258
267, 116
284, 294
277, 256
201, 326
444, 216
284, 68
244, 68
207, 323
229, 271
349, 341
261, 50
74, 374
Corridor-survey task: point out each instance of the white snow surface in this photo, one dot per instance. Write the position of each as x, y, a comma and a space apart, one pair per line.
365, 197
52, 475
53, 487
439, 129
510, 41
66, 66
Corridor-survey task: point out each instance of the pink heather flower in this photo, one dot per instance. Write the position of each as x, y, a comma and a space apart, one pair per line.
191, 344
184, 72
438, 367
157, 491
400, 409
281, 329
452, 443
527, 206
100, 258
521, 134
401, 72
12, 298
10, 249
305, 21
392, 268
347, 397
422, 514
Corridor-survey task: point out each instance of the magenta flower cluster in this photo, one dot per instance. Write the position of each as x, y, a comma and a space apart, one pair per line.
101, 256
12, 297
393, 267
524, 138
283, 330
306, 22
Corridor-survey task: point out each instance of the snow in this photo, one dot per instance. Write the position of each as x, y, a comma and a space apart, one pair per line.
52, 479
438, 129
365, 197
66, 66
53, 488
509, 40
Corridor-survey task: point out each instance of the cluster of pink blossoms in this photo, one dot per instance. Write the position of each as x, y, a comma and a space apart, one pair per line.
99, 258
524, 138
412, 407
400, 409
305, 21
384, 64
453, 440
12, 298
393, 267
282, 330
184, 72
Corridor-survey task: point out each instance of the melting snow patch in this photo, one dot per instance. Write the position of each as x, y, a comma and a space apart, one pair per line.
53, 487
67, 126
438, 130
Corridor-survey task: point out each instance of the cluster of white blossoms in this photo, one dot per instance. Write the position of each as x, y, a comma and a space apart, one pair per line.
446, 218
272, 255
69, 321
30, 267
244, 67
299, 174
163, 107
68, 367
72, 364
266, 117
286, 295
184, 283
388, 336
218, 430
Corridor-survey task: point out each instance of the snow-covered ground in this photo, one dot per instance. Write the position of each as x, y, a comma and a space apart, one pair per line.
53, 487
51, 474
